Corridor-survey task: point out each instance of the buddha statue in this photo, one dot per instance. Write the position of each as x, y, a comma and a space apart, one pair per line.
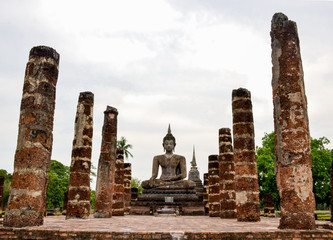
173, 168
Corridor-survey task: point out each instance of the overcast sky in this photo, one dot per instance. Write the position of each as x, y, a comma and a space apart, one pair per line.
161, 62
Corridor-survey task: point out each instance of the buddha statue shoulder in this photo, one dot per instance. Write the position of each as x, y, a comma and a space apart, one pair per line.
173, 168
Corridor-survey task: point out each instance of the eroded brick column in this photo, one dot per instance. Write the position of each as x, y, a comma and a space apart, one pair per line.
269, 205
213, 186
27, 198
106, 165
292, 137
2, 181
127, 187
246, 177
78, 205
118, 194
227, 175
205, 195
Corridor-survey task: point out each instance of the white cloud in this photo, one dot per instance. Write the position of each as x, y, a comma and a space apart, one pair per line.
160, 62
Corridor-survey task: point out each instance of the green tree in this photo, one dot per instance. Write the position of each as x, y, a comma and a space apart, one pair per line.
57, 184
266, 172
322, 158
136, 183
123, 145
6, 186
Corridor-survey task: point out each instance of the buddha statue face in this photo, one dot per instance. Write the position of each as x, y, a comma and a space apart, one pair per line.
169, 145
169, 141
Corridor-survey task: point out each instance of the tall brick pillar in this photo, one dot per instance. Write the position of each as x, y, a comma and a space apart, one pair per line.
118, 194
205, 195
246, 177
291, 124
106, 165
2, 181
213, 186
127, 187
27, 198
78, 205
227, 175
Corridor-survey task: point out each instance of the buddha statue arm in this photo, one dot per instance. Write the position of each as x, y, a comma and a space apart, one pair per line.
154, 169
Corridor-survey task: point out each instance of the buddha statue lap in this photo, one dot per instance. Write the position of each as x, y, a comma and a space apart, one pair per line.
173, 168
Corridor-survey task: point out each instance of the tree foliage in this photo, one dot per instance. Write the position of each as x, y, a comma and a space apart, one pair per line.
6, 186
266, 172
321, 156
123, 145
57, 184
136, 183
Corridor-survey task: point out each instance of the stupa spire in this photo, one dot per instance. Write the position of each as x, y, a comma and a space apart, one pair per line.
193, 162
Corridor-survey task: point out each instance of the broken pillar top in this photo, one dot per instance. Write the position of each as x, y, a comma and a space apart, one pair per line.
224, 131
281, 24
241, 92
110, 109
86, 96
44, 51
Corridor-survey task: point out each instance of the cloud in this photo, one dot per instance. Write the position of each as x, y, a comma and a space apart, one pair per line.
160, 62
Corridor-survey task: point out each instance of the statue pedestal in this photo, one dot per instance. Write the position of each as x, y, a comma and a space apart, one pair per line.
182, 201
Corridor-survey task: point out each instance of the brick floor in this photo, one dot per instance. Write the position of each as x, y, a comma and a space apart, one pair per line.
154, 227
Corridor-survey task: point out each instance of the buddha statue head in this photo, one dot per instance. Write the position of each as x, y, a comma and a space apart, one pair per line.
169, 141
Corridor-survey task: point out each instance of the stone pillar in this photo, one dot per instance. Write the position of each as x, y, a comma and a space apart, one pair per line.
227, 175
213, 186
106, 165
78, 205
269, 205
291, 124
27, 200
127, 187
118, 194
2, 181
205, 196
246, 177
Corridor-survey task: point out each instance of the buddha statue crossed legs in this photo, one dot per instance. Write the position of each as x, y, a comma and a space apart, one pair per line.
173, 168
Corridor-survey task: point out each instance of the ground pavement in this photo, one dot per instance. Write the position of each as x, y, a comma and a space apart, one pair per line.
151, 227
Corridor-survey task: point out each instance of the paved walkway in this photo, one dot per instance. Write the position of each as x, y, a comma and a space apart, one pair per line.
133, 223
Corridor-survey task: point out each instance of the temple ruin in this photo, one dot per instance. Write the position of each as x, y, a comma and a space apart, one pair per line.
26, 204
246, 176
213, 186
78, 205
118, 193
291, 125
106, 165
226, 175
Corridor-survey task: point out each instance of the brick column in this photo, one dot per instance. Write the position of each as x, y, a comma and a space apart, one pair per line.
127, 187
106, 165
78, 205
27, 198
291, 124
213, 186
2, 181
246, 177
269, 205
118, 194
227, 175
205, 195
